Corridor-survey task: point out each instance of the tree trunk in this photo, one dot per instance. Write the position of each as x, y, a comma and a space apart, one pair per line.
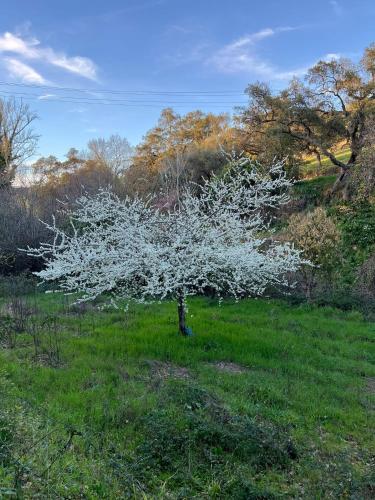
309, 287
341, 184
181, 313
308, 283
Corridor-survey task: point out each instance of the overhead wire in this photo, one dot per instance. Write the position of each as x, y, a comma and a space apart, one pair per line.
100, 100
131, 92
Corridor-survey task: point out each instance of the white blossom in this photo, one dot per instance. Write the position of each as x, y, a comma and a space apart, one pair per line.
216, 238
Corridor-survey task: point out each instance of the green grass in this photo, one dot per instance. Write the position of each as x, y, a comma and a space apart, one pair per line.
314, 192
311, 168
151, 416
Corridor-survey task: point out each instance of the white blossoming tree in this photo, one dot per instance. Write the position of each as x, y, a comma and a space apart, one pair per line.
216, 238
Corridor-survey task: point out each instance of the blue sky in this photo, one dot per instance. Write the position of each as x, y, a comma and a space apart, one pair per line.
191, 49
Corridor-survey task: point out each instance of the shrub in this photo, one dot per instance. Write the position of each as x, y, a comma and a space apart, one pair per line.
317, 235
362, 180
19, 227
357, 224
364, 286
17, 286
366, 277
196, 436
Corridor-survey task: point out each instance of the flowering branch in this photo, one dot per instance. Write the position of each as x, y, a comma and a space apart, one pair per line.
212, 240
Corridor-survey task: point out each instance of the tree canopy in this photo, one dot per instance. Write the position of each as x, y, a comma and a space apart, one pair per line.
333, 104
137, 251
176, 136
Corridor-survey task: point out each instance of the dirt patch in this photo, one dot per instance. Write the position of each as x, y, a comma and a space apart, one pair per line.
229, 367
164, 370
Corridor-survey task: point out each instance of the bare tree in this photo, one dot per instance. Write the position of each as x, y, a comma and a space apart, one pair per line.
17, 139
174, 177
115, 152
190, 167
19, 226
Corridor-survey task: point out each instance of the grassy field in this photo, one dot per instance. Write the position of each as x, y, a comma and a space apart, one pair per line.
266, 400
311, 168
313, 192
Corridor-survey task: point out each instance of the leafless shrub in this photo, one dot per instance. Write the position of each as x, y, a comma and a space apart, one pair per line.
46, 336
8, 332
19, 310
19, 227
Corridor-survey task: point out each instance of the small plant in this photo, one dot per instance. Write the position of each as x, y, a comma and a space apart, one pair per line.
19, 310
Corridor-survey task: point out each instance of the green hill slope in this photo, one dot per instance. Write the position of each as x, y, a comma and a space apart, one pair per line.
266, 400
312, 168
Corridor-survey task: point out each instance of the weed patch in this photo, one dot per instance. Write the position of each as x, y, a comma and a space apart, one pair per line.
191, 433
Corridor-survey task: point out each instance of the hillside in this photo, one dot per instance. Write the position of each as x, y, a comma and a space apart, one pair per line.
266, 400
311, 167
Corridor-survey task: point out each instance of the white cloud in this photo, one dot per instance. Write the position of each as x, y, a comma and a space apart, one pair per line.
24, 72
31, 49
252, 38
241, 56
299, 72
80, 65
288, 75
15, 44
331, 57
46, 96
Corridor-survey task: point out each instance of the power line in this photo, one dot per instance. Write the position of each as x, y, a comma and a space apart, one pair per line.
104, 100
131, 92
109, 103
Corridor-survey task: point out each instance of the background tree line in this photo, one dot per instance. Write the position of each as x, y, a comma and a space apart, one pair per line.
326, 119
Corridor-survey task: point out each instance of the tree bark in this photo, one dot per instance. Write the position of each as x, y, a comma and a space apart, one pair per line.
341, 183
181, 313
